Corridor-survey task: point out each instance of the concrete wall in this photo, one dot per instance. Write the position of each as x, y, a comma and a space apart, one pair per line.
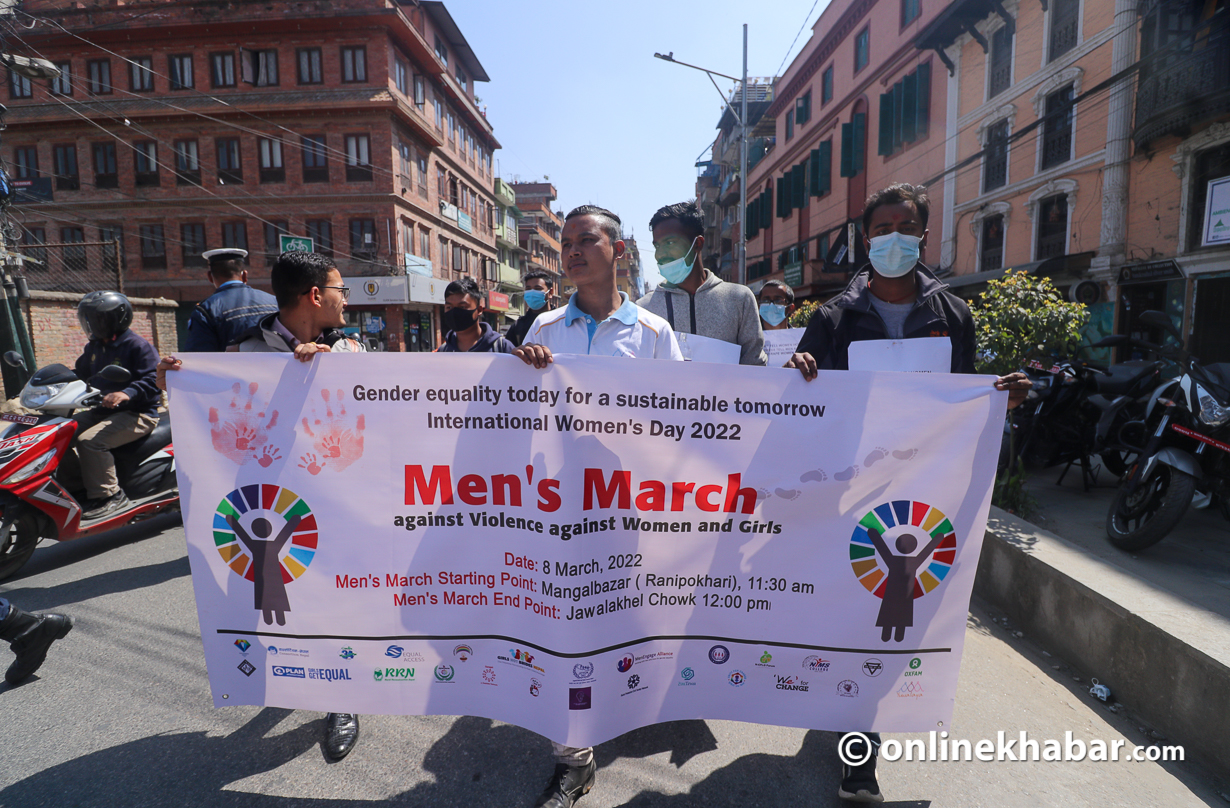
51, 318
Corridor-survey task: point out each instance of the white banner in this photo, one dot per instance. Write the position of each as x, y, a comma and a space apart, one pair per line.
584, 550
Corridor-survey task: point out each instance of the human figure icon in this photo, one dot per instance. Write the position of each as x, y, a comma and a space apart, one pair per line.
269, 590
897, 606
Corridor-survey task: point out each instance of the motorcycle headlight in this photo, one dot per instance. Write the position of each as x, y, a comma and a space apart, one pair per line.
34, 397
1212, 413
30, 469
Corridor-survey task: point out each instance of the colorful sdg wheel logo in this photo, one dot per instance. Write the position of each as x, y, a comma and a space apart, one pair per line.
891, 520
266, 534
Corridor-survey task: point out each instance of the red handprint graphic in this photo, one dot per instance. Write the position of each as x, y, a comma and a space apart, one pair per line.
267, 455
308, 461
337, 438
239, 431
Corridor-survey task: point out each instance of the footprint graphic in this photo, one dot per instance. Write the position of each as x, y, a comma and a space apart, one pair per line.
846, 475
815, 475
787, 493
905, 454
877, 454
762, 494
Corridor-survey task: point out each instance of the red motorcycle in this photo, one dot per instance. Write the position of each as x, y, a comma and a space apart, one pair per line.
33, 503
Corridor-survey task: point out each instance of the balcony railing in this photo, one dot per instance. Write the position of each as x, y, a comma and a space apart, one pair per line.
1191, 88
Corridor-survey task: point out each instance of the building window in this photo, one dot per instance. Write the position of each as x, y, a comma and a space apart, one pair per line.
141, 74
802, 108
187, 163
270, 150
991, 255
461, 79
424, 244
315, 159
1052, 227
181, 71
439, 114
32, 240
309, 66
421, 157
153, 247
358, 158
1057, 128
995, 163
862, 49
222, 69
441, 50
193, 238
145, 161
25, 162
63, 84
67, 176
74, 250
19, 86
354, 64
905, 111
260, 67
112, 237
854, 145
230, 166
909, 11
1001, 62
1065, 23
789, 127
420, 96
826, 86
273, 242
235, 234
363, 239
320, 231
401, 76
99, 73
105, 175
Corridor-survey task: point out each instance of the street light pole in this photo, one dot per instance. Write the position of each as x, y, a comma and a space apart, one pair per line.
741, 118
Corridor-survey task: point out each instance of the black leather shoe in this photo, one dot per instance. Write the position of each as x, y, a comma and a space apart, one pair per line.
34, 634
341, 734
116, 502
568, 785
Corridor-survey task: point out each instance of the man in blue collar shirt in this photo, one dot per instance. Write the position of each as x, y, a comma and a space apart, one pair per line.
221, 318
599, 320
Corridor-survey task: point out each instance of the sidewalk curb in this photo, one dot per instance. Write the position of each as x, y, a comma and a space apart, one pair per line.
1182, 691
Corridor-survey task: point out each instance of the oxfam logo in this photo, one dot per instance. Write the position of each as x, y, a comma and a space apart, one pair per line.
266, 534
901, 551
915, 663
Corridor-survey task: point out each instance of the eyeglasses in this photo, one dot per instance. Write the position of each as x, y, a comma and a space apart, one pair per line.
345, 290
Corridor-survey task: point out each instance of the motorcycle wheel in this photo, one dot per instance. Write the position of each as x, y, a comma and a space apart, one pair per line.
17, 544
1143, 518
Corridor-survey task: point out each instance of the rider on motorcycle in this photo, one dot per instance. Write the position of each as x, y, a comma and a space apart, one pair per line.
128, 410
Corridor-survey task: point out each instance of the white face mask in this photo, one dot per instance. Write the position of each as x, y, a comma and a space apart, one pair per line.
894, 254
677, 271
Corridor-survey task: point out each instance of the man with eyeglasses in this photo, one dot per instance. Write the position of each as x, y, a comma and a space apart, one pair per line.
776, 305
311, 301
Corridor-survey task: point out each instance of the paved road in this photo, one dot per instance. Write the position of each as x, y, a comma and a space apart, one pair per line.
120, 717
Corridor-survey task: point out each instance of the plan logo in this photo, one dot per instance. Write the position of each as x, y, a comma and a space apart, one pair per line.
847, 688
719, 655
873, 667
580, 698
247, 668
816, 665
625, 663
737, 678
290, 672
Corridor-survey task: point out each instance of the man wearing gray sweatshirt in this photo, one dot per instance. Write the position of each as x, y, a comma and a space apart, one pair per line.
691, 298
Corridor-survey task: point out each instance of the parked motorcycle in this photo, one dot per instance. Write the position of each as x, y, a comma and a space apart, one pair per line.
1188, 422
1078, 409
33, 503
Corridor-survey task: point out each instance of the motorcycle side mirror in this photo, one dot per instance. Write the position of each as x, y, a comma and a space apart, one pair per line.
14, 360
1159, 320
115, 374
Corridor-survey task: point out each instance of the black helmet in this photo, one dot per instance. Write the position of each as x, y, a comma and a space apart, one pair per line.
104, 315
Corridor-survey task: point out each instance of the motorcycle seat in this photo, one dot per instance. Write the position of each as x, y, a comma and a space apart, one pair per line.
1123, 377
130, 455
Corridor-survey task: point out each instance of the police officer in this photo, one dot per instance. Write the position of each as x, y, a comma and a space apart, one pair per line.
233, 309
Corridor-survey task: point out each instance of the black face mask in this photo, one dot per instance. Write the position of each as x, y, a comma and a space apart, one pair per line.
458, 319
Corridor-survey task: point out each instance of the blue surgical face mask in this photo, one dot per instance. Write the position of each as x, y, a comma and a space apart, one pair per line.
535, 298
772, 313
677, 271
894, 254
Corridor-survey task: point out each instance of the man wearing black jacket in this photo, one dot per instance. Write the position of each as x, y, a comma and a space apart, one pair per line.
539, 294
129, 410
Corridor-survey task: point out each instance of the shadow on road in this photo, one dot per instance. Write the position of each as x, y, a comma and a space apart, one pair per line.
53, 555
49, 598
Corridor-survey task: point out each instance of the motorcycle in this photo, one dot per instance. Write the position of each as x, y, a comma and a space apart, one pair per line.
1078, 409
1188, 422
33, 503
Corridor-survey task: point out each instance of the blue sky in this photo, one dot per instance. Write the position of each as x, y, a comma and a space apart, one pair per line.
576, 95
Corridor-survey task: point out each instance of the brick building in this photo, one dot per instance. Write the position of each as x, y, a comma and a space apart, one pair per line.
214, 124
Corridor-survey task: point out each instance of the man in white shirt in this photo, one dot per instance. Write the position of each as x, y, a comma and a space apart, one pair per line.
599, 320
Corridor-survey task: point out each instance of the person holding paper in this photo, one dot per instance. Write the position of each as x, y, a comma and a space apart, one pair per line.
599, 320
691, 298
896, 298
